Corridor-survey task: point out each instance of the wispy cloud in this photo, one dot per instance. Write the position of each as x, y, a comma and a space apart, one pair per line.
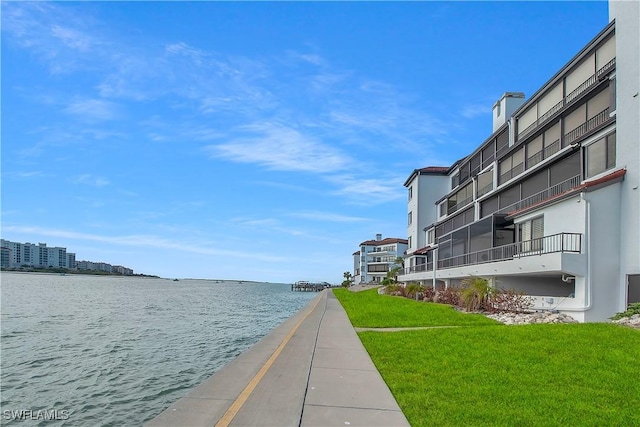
91, 180
92, 109
72, 38
279, 147
24, 174
474, 110
140, 240
326, 216
367, 191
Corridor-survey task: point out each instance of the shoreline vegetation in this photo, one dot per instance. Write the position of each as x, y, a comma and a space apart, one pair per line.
480, 372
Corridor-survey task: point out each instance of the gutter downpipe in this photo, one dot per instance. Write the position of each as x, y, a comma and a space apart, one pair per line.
435, 267
587, 289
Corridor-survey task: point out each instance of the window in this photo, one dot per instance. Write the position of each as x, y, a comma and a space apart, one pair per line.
531, 233
485, 183
410, 242
431, 234
410, 192
410, 218
455, 180
600, 156
511, 166
443, 208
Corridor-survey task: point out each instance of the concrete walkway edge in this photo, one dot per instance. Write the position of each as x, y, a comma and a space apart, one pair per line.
311, 370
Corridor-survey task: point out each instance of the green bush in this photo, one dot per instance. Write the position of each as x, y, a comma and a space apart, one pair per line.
475, 293
634, 308
412, 289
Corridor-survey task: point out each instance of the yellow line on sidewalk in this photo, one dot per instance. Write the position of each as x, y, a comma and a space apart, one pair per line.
244, 395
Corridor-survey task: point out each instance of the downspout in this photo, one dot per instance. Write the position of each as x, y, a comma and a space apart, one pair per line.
587, 289
435, 267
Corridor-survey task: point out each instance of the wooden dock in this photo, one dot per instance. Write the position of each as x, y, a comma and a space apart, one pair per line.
304, 286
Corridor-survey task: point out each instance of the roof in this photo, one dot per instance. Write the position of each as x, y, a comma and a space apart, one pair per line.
386, 241
422, 251
429, 170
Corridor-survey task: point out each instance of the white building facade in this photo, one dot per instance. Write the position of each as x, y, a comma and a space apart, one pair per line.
376, 258
15, 254
549, 204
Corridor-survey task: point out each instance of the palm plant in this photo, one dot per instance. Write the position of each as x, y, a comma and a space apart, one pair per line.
476, 292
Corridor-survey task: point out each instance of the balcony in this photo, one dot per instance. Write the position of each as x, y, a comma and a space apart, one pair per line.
593, 123
377, 268
459, 205
514, 171
561, 242
540, 197
593, 80
560, 252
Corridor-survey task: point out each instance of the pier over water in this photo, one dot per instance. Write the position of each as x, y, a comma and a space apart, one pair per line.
305, 286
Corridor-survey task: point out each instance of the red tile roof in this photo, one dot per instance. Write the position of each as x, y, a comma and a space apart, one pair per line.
386, 241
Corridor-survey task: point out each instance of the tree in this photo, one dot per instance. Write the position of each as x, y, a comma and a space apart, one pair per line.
394, 271
348, 279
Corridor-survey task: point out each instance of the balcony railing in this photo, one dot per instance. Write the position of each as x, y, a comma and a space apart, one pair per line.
418, 268
561, 242
484, 190
459, 205
543, 195
590, 81
516, 170
597, 120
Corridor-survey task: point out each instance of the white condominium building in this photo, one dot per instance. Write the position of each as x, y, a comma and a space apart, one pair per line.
549, 203
376, 258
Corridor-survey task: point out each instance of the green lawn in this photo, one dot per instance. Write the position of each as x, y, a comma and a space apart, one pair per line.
368, 309
483, 375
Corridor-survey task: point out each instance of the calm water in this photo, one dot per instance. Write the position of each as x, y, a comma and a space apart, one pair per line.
115, 351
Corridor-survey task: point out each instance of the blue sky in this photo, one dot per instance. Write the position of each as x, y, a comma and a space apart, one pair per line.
252, 140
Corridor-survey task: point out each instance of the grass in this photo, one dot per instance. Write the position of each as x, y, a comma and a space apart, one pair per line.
368, 309
529, 375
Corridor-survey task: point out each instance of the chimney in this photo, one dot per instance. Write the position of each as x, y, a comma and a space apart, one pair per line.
505, 107
378, 237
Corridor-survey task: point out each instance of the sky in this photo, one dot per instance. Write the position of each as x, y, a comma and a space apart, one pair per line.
252, 140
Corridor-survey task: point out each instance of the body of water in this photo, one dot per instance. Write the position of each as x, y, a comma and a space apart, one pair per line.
116, 351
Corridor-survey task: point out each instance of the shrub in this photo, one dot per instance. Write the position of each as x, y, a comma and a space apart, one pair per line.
394, 289
508, 300
475, 293
428, 294
449, 296
634, 308
412, 289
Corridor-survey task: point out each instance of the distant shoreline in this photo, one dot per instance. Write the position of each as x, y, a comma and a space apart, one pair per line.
60, 271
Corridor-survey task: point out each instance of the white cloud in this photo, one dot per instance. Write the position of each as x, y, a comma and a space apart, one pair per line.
88, 179
280, 147
474, 110
71, 37
92, 109
142, 241
327, 216
368, 191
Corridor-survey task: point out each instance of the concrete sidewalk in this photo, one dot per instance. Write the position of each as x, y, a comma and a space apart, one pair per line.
312, 370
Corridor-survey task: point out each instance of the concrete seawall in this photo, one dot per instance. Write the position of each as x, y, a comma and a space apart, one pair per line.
312, 370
